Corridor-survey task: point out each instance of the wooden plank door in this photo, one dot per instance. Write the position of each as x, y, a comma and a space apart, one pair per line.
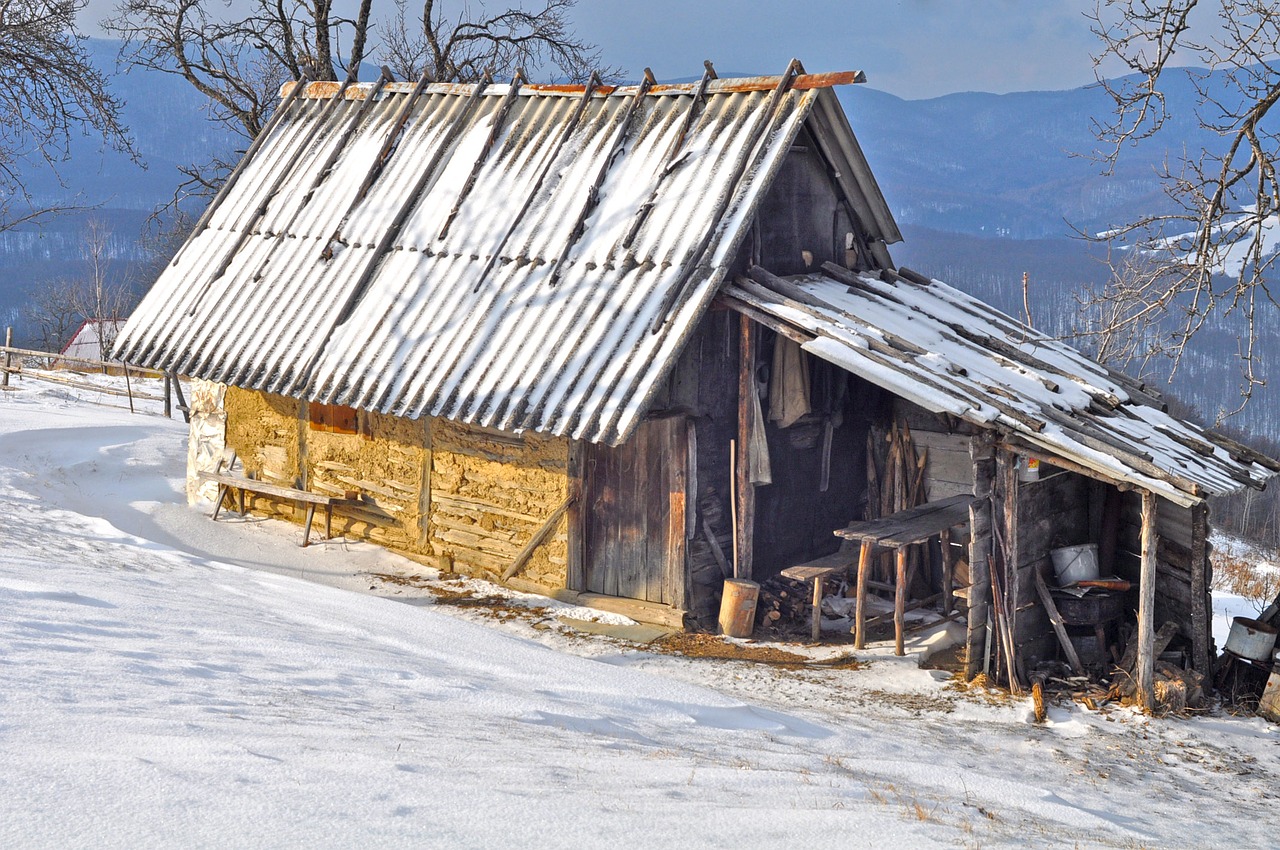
634, 514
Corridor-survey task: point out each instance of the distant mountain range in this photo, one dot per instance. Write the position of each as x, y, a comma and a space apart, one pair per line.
985, 186
1016, 165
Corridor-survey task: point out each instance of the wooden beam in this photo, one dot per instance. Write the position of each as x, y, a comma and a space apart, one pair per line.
1059, 627
538, 537
1147, 603
637, 609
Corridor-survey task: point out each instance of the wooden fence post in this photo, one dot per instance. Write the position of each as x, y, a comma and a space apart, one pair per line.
8, 355
128, 387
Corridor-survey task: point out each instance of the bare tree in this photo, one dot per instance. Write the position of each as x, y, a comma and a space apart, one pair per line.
460, 46
1211, 250
49, 91
239, 61
52, 313
57, 308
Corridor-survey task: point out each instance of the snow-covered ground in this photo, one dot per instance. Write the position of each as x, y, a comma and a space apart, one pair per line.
168, 681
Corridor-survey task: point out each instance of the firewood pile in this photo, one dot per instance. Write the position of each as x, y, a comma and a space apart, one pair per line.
1177, 690
783, 608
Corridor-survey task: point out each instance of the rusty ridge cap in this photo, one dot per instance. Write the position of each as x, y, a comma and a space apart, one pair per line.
325, 89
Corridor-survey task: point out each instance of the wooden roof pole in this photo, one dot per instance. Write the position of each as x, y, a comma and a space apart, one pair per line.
1147, 602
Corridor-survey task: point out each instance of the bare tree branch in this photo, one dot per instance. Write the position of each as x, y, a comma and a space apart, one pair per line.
239, 62
50, 92
1210, 250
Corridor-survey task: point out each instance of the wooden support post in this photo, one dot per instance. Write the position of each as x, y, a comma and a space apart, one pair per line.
8, 355
744, 526
978, 634
1147, 603
306, 531
168, 391
182, 402
900, 602
1201, 603
860, 615
947, 566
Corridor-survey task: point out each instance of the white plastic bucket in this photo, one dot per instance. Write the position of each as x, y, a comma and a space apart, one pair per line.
1075, 563
1028, 469
1251, 639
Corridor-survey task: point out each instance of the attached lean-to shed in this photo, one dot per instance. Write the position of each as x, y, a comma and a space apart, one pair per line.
620, 343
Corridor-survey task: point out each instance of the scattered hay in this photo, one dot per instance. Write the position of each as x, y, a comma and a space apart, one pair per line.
713, 646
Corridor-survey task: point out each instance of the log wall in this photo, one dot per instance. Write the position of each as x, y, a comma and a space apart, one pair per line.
1052, 512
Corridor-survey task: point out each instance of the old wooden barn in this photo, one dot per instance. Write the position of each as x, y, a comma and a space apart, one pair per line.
618, 343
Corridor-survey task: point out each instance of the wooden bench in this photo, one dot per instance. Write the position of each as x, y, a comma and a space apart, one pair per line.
817, 572
892, 533
241, 484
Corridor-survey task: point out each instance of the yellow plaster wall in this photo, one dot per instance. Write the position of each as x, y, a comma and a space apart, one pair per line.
482, 494
385, 464
491, 493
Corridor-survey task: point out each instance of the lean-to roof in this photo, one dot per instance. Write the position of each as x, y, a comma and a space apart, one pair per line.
950, 353
527, 257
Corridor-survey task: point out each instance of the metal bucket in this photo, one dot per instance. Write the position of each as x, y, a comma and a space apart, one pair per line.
1075, 563
1251, 639
738, 607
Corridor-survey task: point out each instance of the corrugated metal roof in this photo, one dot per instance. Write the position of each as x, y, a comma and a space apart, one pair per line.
950, 353
524, 259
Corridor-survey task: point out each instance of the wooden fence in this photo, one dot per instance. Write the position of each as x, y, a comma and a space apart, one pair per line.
77, 369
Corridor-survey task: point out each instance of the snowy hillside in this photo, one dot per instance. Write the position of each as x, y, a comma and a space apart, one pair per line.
168, 681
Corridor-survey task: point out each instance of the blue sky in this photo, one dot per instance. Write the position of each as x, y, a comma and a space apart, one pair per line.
912, 48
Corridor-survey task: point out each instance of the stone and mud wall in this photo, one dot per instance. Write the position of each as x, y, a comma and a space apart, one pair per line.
457, 497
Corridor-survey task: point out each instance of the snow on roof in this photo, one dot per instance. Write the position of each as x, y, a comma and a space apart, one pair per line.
950, 353
519, 257
88, 340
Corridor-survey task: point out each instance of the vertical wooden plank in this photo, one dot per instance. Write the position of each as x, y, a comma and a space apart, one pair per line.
575, 569
424, 486
746, 496
654, 497
676, 567
1201, 603
300, 477
1147, 602
631, 515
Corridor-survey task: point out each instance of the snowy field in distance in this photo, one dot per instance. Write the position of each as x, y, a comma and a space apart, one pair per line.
168, 681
